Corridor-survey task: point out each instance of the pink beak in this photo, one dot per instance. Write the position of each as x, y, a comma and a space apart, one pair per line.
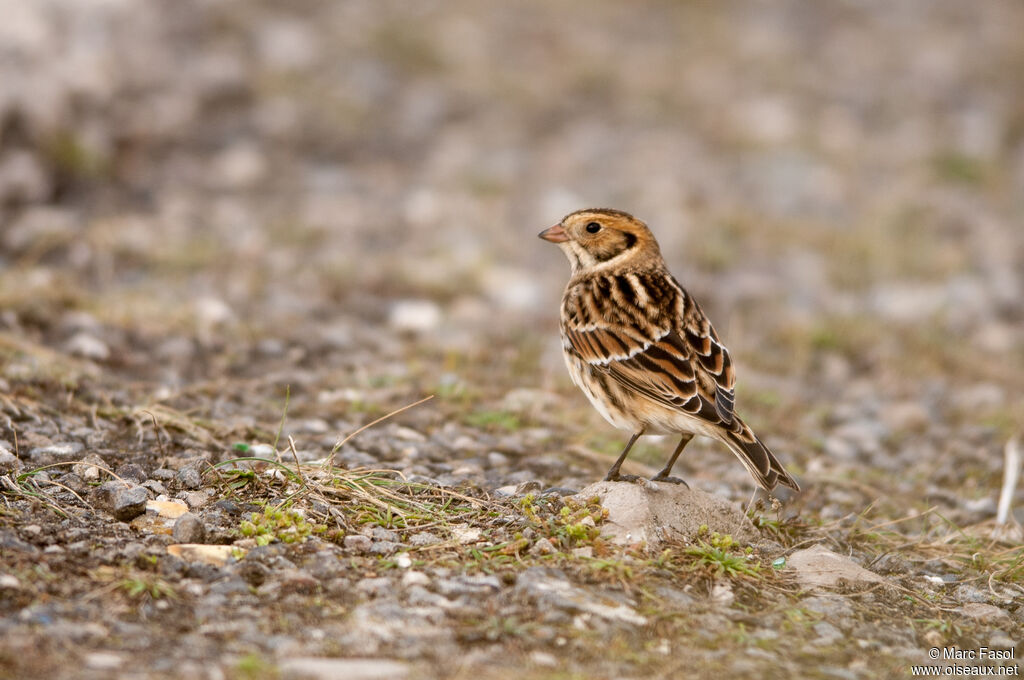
554, 234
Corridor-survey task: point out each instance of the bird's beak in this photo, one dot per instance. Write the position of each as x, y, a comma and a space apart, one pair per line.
554, 234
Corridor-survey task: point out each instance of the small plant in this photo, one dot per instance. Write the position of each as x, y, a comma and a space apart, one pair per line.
281, 524
718, 555
502, 420
138, 587
575, 524
252, 666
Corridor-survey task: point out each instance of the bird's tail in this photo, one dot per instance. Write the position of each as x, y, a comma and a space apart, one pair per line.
760, 462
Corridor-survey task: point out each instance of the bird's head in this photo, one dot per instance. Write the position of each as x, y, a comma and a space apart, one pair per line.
593, 237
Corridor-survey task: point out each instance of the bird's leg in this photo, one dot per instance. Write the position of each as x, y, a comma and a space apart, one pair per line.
663, 476
613, 473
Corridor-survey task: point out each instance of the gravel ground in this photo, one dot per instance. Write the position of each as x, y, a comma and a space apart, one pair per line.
232, 234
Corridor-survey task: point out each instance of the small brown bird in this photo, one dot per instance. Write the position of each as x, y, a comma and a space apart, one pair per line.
641, 349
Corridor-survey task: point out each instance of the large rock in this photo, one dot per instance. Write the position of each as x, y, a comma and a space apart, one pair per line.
652, 513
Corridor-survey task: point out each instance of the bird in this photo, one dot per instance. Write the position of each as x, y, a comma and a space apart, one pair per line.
642, 350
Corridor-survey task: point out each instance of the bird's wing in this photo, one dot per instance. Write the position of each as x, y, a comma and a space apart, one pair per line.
673, 358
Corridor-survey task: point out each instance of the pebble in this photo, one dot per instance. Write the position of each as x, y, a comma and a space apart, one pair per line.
189, 477
414, 316
132, 473
188, 528
423, 538
103, 661
169, 509
827, 634
163, 474
834, 608
55, 453
197, 499
123, 501
384, 547
357, 542
87, 346
374, 586
91, 469
9, 462
986, 613
415, 578
965, 592
216, 555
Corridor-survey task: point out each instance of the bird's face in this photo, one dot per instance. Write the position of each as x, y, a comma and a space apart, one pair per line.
592, 237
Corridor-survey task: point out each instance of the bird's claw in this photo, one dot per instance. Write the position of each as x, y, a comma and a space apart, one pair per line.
670, 480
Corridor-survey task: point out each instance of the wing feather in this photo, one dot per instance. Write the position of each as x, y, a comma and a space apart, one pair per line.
673, 359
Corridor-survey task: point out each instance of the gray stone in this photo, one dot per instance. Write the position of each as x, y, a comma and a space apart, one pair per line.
154, 486
189, 529
55, 453
196, 499
827, 633
9, 462
357, 542
163, 474
651, 513
551, 589
91, 469
131, 472
10, 541
965, 592
189, 477
384, 548
121, 500
468, 585
986, 613
129, 503
374, 587
423, 538
831, 607
87, 346
382, 534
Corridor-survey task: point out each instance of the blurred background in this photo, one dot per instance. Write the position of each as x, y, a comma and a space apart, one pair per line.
346, 195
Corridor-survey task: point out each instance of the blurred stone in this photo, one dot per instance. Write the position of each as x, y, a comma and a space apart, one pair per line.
357, 542
87, 346
8, 461
215, 555
414, 316
287, 45
23, 179
91, 469
239, 166
317, 668
168, 509
986, 613
550, 589
55, 453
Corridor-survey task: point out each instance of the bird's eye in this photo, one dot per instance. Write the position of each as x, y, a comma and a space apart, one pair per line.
593, 227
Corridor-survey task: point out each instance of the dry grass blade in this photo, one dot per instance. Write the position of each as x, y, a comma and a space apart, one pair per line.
330, 459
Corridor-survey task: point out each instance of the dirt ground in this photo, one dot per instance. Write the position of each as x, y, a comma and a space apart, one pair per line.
237, 239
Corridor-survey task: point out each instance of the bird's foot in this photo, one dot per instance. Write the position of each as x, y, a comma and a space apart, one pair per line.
670, 480
622, 478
